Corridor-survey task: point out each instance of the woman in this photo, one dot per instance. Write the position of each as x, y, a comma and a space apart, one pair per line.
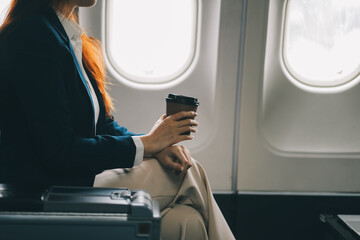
56, 126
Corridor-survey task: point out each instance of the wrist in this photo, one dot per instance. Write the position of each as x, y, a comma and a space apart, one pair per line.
149, 148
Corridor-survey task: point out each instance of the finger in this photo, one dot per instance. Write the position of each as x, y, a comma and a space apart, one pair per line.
177, 167
182, 158
170, 164
162, 117
186, 129
181, 138
187, 122
183, 114
188, 156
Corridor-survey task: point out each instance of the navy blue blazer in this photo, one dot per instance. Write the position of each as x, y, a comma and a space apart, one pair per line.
46, 114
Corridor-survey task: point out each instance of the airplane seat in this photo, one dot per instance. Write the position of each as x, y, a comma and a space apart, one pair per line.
22, 216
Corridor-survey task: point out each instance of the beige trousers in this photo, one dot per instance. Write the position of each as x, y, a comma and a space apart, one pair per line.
188, 208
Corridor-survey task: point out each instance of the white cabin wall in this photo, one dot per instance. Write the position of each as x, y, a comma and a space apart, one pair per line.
291, 139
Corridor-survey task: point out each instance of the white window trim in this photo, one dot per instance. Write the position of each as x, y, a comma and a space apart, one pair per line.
130, 80
3, 13
307, 84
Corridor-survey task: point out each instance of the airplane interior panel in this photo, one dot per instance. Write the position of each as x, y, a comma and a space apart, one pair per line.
300, 139
194, 82
275, 85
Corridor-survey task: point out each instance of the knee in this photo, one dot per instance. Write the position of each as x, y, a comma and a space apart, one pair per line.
194, 228
183, 222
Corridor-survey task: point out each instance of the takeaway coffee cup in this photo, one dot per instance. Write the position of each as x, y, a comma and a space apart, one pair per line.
177, 103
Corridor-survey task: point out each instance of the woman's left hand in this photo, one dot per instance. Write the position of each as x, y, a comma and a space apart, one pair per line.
175, 158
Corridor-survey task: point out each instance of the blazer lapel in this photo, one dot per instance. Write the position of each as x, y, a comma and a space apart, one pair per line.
57, 26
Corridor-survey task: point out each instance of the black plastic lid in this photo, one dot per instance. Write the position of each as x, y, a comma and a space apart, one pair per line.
182, 99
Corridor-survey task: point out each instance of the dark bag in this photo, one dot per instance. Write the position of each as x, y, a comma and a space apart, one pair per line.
85, 213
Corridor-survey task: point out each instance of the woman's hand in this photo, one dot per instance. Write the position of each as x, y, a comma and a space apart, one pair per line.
175, 158
167, 131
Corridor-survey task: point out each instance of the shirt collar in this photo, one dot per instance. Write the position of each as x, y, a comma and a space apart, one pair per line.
72, 29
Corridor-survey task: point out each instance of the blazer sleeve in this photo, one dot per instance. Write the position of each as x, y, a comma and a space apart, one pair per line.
113, 128
36, 61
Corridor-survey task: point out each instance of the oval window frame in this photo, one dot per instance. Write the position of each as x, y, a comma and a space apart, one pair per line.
307, 84
135, 81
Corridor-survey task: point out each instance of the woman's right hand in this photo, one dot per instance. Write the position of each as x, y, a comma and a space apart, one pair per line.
167, 131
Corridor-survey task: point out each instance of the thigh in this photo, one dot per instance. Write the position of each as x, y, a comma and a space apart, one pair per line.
184, 223
150, 176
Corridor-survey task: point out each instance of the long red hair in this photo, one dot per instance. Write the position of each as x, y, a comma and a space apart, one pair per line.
92, 52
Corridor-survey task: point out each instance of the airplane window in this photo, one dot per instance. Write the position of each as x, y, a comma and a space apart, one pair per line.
321, 41
4, 6
151, 41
